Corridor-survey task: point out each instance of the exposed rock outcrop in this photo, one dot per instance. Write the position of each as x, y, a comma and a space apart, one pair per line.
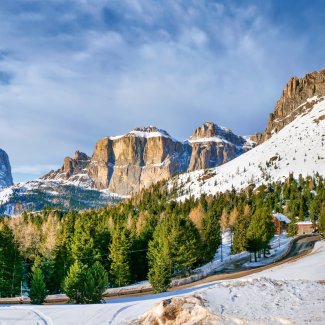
213, 146
294, 94
5, 170
128, 163
73, 170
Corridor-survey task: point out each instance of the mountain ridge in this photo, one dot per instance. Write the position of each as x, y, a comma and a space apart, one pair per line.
125, 164
298, 148
295, 93
293, 143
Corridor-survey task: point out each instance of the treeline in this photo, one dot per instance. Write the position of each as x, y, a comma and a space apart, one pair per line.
150, 236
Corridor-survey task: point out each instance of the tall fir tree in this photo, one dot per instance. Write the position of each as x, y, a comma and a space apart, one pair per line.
119, 251
260, 231
322, 219
185, 244
82, 242
38, 291
74, 282
159, 258
11, 268
240, 231
211, 235
96, 282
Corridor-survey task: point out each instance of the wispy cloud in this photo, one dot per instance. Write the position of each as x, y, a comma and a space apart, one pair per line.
74, 71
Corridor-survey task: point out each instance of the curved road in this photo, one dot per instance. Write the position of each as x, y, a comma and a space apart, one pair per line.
117, 309
300, 247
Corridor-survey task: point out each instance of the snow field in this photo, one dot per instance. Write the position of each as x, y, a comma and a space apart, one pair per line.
298, 148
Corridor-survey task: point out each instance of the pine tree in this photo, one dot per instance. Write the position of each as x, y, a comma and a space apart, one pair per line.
260, 231
184, 244
96, 282
322, 219
267, 229
82, 243
38, 291
292, 228
74, 282
159, 258
11, 270
240, 231
314, 210
211, 235
119, 257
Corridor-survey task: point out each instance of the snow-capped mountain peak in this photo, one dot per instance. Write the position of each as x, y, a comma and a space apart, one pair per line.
211, 132
144, 132
298, 148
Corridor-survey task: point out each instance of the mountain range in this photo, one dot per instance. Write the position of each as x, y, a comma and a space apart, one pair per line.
212, 159
128, 163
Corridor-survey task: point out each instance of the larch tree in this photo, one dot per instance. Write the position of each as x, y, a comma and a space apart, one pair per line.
224, 220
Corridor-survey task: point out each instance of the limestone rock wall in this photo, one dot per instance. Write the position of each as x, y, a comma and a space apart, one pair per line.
126, 164
294, 94
5, 170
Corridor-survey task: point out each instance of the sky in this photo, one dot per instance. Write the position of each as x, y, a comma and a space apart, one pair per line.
75, 71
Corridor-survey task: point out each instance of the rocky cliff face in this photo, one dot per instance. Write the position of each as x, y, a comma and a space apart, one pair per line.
5, 170
74, 170
128, 163
213, 146
294, 94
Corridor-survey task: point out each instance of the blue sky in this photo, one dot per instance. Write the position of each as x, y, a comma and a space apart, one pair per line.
74, 71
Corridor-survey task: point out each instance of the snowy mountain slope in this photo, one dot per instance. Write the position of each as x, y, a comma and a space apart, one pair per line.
38, 194
298, 148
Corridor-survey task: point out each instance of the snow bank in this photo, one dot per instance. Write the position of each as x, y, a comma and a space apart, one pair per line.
311, 267
294, 298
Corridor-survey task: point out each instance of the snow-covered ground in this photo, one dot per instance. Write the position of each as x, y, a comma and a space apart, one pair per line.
291, 293
34, 195
298, 148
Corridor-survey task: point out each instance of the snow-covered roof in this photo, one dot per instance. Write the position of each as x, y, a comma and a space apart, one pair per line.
306, 223
281, 217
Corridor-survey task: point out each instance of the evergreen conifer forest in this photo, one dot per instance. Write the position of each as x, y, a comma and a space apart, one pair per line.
150, 236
